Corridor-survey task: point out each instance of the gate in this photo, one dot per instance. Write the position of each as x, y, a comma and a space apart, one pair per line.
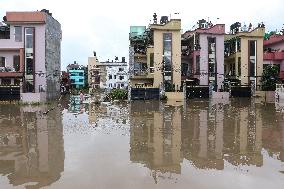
197, 91
9, 93
241, 91
145, 93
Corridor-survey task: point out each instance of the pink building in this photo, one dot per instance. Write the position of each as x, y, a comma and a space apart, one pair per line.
30, 50
203, 50
274, 52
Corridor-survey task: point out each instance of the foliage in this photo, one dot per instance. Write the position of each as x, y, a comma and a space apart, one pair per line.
267, 35
163, 97
117, 94
270, 78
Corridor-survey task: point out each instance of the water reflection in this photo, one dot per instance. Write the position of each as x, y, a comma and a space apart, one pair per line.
209, 134
31, 145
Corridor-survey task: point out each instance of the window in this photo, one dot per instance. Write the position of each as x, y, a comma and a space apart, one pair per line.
121, 69
197, 64
211, 57
81, 80
121, 77
122, 85
72, 80
109, 76
114, 76
252, 58
239, 66
18, 33
16, 62
30, 66
2, 61
81, 74
167, 51
152, 63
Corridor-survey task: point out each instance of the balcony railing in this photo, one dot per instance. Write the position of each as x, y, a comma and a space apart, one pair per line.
273, 56
9, 72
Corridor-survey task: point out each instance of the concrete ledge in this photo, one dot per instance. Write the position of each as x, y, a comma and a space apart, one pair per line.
33, 97
220, 95
265, 96
175, 96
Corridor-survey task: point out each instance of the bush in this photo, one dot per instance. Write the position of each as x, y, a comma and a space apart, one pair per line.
116, 94
270, 78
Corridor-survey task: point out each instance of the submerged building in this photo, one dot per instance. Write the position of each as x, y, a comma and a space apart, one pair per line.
30, 51
155, 54
203, 54
274, 53
244, 54
108, 74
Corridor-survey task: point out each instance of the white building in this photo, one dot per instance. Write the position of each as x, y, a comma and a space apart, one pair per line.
116, 75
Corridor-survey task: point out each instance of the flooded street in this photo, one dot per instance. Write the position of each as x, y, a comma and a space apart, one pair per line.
201, 144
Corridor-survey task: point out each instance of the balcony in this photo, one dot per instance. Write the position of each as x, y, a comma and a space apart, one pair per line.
11, 74
273, 56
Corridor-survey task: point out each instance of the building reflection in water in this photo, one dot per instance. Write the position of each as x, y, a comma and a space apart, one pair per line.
206, 133
155, 137
31, 145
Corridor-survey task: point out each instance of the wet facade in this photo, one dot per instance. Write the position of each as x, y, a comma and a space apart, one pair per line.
143, 145
30, 54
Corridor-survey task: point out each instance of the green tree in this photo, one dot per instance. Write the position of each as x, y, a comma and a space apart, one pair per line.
270, 77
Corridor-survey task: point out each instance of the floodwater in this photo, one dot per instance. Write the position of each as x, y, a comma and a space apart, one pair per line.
200, 144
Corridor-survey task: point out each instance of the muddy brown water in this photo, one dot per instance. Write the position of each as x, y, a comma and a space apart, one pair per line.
200, 144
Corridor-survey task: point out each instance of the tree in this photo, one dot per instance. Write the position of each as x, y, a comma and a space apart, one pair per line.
270, 77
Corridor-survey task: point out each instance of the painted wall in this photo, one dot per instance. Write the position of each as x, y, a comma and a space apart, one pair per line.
53, 36
158, 57
203, 40
245, 59
9, 56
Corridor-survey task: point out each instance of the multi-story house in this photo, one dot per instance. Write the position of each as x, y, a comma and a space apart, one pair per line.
30, 64
155, 54
77, 75
203, 54
108, 74
274, 53
244, 54
93, 72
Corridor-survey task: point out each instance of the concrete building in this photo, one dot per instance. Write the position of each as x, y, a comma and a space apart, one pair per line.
203, 54
30, 50
155, 55
274, 53
244, 54
109, 74
77, 75
93, 72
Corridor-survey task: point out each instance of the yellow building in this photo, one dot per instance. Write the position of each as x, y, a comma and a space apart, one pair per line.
244, 54
155, 54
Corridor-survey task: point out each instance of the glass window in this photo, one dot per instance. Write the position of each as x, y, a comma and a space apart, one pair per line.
121, 77
30, 66
16, 62
81, 80
114, 76
18, 33
197, 64
109, 76
2, 61
239, 66
121, 69
167, 50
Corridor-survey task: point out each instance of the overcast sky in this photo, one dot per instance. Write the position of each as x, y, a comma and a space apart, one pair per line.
103, 26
